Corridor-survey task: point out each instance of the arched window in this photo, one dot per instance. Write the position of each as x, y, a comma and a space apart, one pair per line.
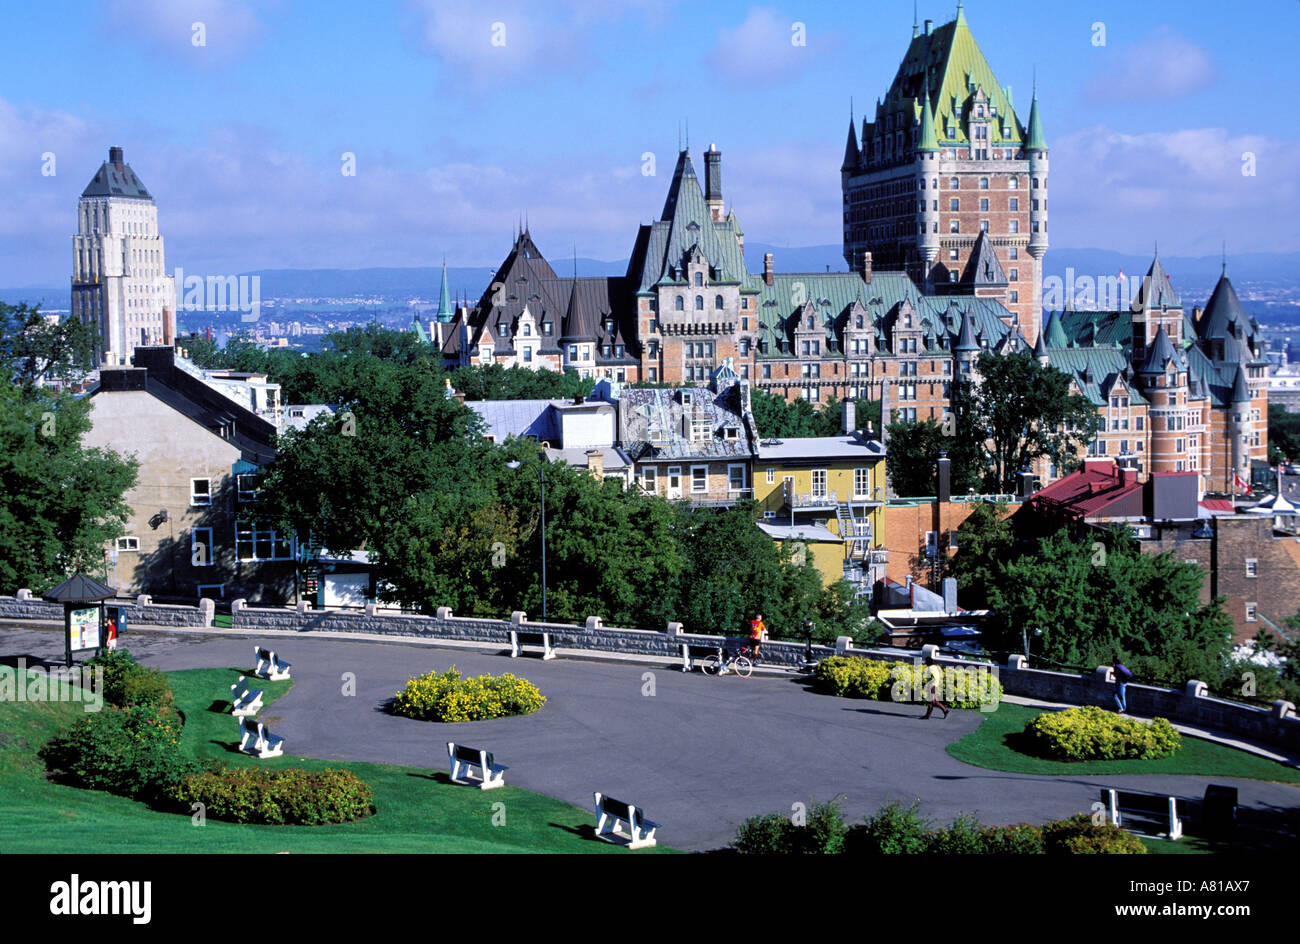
699, 278
681, 305
699, 302
717, 302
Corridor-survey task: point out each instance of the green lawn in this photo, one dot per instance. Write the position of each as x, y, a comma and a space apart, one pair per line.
994, 745
418, 809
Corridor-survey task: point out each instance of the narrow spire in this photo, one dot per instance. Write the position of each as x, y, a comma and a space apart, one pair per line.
1225, 259
915, 30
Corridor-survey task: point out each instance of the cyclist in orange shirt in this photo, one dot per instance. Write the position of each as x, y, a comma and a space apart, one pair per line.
757, 630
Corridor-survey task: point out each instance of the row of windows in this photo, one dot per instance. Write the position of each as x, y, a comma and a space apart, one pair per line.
680, 303
736, 478
201, 489
254, 541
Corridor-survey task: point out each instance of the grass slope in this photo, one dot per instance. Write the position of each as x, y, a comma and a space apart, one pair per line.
996, 745
418, 809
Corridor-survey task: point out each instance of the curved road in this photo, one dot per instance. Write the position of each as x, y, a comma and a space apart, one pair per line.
699, 754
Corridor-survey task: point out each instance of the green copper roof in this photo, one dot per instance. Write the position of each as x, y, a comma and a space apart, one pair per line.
444, 299
948, 65
418, 328
1037, 142
1054, 332
929, 140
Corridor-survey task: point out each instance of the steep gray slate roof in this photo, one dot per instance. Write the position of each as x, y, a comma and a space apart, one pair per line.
685, 224
983, 267
1156, 289
116, 179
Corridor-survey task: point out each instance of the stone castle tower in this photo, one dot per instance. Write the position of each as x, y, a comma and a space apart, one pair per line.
945, 161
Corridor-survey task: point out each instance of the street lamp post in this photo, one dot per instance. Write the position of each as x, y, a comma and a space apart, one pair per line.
541, 472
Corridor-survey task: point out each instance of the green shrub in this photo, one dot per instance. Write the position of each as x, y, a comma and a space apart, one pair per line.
823, 832
892, 831
127, 682
447, 696
1091, 733
967, 836
284, 797
128, 751
1020, 839
1078, 835
856, 677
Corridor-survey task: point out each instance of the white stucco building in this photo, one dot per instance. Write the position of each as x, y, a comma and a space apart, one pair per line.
119, 280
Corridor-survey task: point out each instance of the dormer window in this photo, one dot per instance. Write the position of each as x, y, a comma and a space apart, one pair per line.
699, 278
546, 328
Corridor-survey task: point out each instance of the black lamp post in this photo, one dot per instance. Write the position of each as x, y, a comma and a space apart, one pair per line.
541, 472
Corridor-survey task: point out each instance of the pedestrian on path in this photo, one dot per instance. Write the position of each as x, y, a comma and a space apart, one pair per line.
933, 691
1122, 675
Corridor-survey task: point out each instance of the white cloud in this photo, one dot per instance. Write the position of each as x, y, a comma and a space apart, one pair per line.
229, 28
763, 50
1162, 65
1182, 187
483, 47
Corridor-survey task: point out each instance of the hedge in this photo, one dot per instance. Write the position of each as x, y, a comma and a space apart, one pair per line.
285, 797
449, 697
1091, 733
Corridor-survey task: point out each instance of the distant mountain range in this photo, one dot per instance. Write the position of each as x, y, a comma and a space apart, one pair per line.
1271, 279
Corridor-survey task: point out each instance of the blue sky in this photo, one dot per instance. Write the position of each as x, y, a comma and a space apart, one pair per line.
454, 136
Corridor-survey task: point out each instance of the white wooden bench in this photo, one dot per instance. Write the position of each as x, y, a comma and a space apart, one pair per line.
256, 739
491, 774
245, 701
1155, 809
517, 638
269, 665
610, 812
689, 653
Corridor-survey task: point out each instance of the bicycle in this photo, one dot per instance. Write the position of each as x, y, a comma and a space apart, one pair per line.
739, 663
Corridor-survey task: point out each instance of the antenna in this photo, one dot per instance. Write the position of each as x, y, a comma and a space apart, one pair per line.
1225, 258
688, 134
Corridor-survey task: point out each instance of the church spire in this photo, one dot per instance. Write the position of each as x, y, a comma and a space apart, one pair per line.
444, 298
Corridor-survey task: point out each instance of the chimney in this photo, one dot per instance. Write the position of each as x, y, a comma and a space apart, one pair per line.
169, 326
929, 27
767, 268
595, 463
577, 399
115, 157
950, 595
848, 414
1026, 480
866, 267
944, 491
713, 182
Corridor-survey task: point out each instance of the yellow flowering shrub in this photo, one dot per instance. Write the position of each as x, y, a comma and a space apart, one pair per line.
855, 677
449, 696
1092, 733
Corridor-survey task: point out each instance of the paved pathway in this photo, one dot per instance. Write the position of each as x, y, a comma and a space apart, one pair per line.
700, 754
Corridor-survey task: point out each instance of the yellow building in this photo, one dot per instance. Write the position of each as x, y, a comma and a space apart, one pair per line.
833, 483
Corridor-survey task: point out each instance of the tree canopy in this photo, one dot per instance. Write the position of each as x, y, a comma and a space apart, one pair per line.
60, 503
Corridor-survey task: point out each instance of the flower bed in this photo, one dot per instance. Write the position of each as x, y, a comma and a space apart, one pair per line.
448, 696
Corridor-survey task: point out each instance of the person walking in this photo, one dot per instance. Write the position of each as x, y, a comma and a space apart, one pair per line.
1122, 675
932, 692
